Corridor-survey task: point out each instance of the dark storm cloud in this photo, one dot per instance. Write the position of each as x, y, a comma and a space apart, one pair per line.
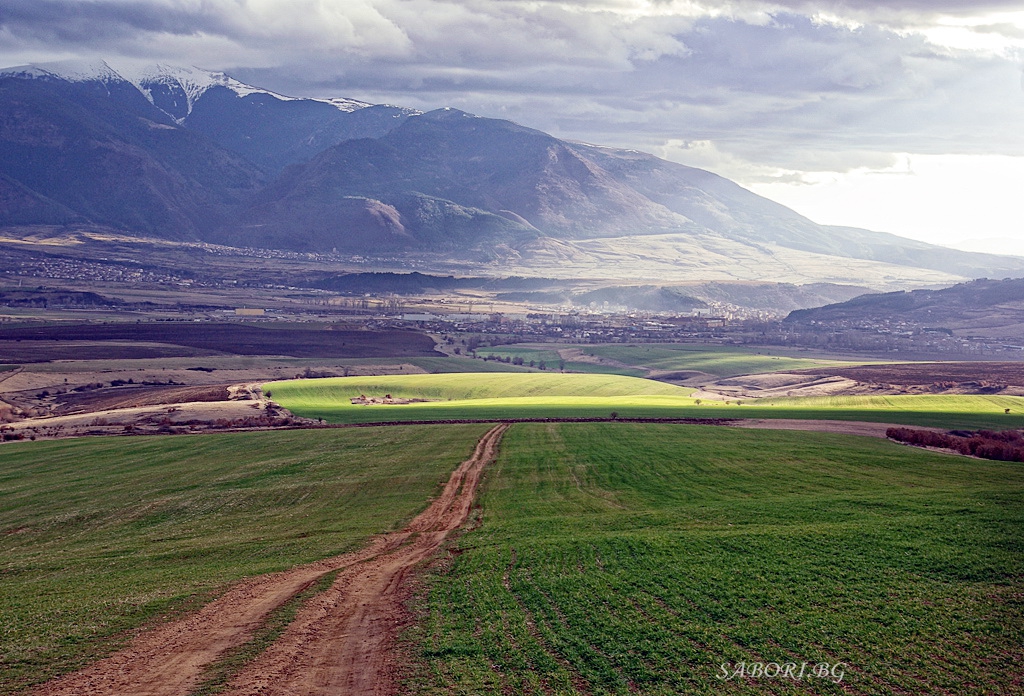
790, 92
773, 82
90, 23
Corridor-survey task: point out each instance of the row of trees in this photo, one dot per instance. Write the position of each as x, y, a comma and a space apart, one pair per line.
1005, 446
520, 360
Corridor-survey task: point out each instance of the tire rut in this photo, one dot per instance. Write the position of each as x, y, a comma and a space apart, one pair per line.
339, 641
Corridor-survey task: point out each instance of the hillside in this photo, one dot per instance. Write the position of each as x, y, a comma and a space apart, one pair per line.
452, 183
98, 151
268, 129
993, 308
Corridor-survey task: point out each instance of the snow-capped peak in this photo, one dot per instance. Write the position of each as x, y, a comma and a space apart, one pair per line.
160, 83
195, 82
173, 89
67, 70
343, 104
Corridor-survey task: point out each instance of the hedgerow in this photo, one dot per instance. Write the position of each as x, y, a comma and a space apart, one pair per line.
1004, 446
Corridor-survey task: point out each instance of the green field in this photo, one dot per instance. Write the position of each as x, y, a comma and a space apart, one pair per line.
607, 557
639, 359
622, 558
97, 536
720, 361
553, 395
902, 402
462, 364
314, 397
553, 361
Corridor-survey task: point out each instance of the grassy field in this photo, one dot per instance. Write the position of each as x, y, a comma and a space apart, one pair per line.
98, 536
553, 395
553, 361
304, 396
463, 364
720, 361
901, 402
624, 558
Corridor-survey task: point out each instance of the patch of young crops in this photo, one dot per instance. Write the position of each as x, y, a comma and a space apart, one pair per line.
302, 395
100, 535
721, 361
547, 395
660, 559
545, 358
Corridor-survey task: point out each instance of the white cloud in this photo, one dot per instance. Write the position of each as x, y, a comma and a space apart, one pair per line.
937, 198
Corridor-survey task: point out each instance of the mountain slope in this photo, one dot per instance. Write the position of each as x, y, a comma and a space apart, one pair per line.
274, 133
97, 150
723, 206
269, 129
182, 153
449, 182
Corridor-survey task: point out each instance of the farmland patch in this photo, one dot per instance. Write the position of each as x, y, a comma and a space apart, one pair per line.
298, 340
619, 558
543, 395
102, 535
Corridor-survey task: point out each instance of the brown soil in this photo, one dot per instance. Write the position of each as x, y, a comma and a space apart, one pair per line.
45, 351
1004, 378
297, 340
992, 373
577, 355
822, 426
135, 396
199, 416
339, 643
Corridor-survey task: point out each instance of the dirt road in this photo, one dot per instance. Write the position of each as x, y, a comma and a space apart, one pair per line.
339, 642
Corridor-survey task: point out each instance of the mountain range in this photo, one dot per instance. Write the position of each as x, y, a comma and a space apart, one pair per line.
192, 155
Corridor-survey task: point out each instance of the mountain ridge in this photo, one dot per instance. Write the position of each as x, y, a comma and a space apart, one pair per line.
189, 154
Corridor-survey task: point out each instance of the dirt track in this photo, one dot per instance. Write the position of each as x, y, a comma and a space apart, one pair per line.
339, 643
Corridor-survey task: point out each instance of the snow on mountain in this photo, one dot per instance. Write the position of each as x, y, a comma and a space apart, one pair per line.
177, 89
174, 89
347, 105
67, 70
194, 82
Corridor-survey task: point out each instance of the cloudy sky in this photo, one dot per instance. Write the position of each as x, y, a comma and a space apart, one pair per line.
904, 116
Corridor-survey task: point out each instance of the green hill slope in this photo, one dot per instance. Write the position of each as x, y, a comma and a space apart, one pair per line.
461, 386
